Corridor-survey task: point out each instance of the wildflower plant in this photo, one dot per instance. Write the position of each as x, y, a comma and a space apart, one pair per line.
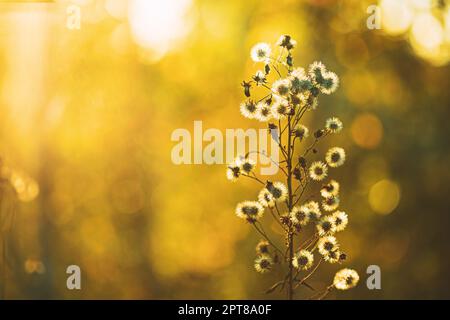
311, 222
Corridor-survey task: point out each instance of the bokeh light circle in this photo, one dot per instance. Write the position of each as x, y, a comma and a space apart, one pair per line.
384, 196
397, 16
427, 31
367, 131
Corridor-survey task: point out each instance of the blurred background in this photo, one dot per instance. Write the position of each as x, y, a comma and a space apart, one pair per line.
86, 116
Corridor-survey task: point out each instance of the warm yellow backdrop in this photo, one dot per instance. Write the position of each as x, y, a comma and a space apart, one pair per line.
86, 117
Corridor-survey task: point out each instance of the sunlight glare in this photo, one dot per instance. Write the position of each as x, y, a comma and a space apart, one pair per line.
397, 15
427, 31
156, 25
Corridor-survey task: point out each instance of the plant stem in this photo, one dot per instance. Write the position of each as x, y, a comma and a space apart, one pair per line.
254, 178
300, 282
270, 159
261, 232
277, 219
290, 198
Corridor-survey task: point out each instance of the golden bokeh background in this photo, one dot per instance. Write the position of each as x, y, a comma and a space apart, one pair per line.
86, 116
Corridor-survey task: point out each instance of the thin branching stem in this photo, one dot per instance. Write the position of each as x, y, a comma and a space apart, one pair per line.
280, 139
265, 97
299, 115
308, 241
313, 145
271, 160
276, 69
279, 61
313, 244
290, 202
262, 233
296, 189
300, 282
301, 193
267, 87
254, 178
321, 295
277, 219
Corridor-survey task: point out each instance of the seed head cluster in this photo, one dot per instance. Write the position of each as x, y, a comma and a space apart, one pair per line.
309, 220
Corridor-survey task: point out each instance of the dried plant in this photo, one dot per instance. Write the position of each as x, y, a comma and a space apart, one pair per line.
309, 222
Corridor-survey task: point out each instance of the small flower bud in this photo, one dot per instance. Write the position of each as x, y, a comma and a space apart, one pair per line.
262, 247
289, 60
297, 174
246, 86
285, 220
318, 133
287, 42
295, 100
314, 91
302, 162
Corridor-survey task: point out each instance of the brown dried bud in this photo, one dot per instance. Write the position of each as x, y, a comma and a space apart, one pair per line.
285, 220
247, 86
289, 60
318, 133
302, 162
295, 100
314, 91
297, 174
